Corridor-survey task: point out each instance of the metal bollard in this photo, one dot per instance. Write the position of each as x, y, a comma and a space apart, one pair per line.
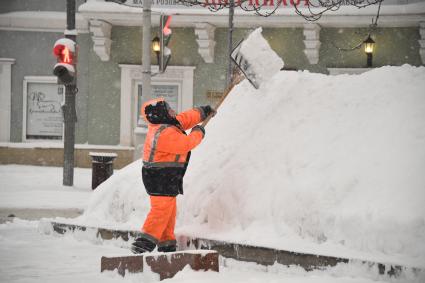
102, 167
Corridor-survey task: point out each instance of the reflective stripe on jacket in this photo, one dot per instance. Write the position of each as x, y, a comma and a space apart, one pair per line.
166, 154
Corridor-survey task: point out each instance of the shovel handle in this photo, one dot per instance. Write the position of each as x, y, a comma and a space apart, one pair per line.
237, 79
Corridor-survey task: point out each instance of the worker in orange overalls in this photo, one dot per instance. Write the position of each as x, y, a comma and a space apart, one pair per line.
166, 155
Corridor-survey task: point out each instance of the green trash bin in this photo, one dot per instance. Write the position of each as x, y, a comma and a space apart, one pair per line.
102, 167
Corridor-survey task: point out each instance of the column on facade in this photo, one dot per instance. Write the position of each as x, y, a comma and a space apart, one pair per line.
101, 35
422, 41
205, 33
5, 97
312, 42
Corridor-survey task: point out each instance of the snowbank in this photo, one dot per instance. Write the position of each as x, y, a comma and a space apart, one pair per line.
309, 162
329, 159
120, 202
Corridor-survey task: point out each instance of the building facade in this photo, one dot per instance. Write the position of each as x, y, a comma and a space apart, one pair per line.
109, 64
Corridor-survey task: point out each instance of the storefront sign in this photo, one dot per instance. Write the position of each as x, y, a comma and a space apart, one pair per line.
266, 4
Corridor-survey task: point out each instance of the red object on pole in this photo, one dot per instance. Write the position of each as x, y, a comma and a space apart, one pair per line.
164, 39
166, 30
65, 53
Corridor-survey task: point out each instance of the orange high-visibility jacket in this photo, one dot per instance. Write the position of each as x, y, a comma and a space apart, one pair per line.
166, 152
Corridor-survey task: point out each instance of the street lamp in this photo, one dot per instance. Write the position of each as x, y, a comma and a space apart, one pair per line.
369, 44
156, 47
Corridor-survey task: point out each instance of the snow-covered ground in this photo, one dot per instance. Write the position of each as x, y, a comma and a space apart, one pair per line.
32, 187
30, 252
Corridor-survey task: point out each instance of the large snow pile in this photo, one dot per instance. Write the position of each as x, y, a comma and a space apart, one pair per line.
335, 160
309, 162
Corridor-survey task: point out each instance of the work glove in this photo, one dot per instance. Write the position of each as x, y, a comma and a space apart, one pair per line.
199, 128
208, 110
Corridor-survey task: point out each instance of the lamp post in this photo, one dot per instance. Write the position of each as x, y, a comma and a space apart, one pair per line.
369, 44
156, 47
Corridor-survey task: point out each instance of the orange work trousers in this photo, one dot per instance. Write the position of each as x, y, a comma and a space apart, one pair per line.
161, 219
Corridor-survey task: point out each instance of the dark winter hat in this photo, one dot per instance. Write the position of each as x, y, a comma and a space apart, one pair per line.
157, 112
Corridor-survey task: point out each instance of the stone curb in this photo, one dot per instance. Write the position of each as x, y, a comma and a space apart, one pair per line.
247, 253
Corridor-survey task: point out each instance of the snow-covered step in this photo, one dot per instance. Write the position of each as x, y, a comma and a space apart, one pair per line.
166, 265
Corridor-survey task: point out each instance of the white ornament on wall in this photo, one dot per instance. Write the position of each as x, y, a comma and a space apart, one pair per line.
101, 36
205, 33
312, 42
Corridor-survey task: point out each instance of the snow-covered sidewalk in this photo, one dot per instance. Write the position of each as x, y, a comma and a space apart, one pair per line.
32, 253
34, 192
41, 187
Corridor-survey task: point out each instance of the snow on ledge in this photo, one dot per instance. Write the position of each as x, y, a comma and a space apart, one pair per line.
40, 21
101, 6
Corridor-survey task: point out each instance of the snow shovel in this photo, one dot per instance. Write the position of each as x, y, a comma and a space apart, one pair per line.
255, 60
